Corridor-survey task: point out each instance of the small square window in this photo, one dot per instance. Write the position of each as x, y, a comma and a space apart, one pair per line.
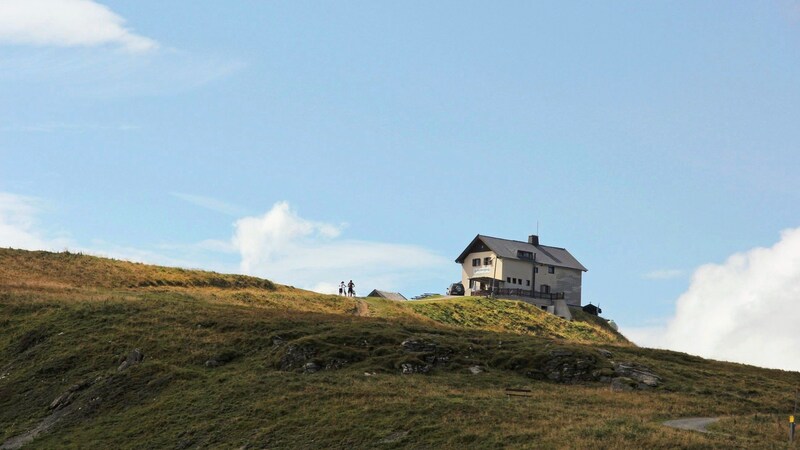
551, 269
535, 270
476, 262
487, 261
527, 282
508, 279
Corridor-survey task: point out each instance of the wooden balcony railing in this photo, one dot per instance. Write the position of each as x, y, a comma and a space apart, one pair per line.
521, 293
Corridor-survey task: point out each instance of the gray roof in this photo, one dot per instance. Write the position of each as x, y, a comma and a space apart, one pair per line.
506, 248
388, 295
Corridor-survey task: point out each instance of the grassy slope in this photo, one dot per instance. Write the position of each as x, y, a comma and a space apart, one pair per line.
60, 326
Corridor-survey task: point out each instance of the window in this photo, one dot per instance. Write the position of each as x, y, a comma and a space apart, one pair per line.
476, 262
535, 270
522, 254
520, 281
551, 269
487, 261
513, 281
545, 289
527, 282
508, 279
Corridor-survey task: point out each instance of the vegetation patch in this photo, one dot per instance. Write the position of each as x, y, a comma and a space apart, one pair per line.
106, 365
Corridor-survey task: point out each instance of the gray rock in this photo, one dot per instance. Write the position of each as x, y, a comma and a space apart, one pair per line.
297, 356
67, 396
335, 364
476, 370
212, 363
583, 364
412, 345
642, 374
134, 357
623, 384
605, 353
310, 367
408, 368
62, 400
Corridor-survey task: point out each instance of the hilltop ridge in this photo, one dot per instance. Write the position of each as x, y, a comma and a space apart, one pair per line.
20, 269
110, 354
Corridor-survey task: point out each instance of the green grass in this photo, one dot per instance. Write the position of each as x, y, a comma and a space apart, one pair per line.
516, 317
258, 395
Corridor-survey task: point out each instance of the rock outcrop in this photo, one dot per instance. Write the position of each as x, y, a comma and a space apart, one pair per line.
134, 357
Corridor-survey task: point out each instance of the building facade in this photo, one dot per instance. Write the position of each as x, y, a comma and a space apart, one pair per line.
529, 271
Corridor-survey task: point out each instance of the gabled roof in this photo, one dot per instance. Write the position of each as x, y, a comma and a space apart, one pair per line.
506, 248
387, 295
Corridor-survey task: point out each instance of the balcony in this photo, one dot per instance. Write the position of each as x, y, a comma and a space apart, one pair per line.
514, 292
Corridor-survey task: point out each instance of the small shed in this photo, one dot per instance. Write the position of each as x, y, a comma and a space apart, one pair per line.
593, 310
387, 295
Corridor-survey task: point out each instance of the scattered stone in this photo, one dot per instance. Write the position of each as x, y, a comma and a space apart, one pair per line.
408, 368
418, 346
212, 363
605, 353
564, 366
644, 377
336, 364
134, 357
297, 356
66, 397
367, 374
476, 370
62, 400
310, 367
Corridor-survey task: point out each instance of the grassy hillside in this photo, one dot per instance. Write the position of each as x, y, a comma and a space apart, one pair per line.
516, 317
250, 364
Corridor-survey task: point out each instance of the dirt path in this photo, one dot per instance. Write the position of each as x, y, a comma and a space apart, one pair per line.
692, 423
18, 441
362, 309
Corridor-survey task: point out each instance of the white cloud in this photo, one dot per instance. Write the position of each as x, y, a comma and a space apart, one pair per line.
67, 23
284, 247
87, 72
20, 228
664, 274
18, 224
279, 245
210, 203
742, 310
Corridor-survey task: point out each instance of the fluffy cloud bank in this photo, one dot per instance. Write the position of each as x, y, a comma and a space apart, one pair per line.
279, 245
283, 246
18, 224
743, 310
67, 23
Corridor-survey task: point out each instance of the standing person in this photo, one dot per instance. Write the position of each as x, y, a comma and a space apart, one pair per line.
351, 291
341, 288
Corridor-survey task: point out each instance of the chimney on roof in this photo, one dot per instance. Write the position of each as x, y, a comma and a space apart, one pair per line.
533, 239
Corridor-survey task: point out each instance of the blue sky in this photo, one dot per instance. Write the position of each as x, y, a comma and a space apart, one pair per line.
310, 142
